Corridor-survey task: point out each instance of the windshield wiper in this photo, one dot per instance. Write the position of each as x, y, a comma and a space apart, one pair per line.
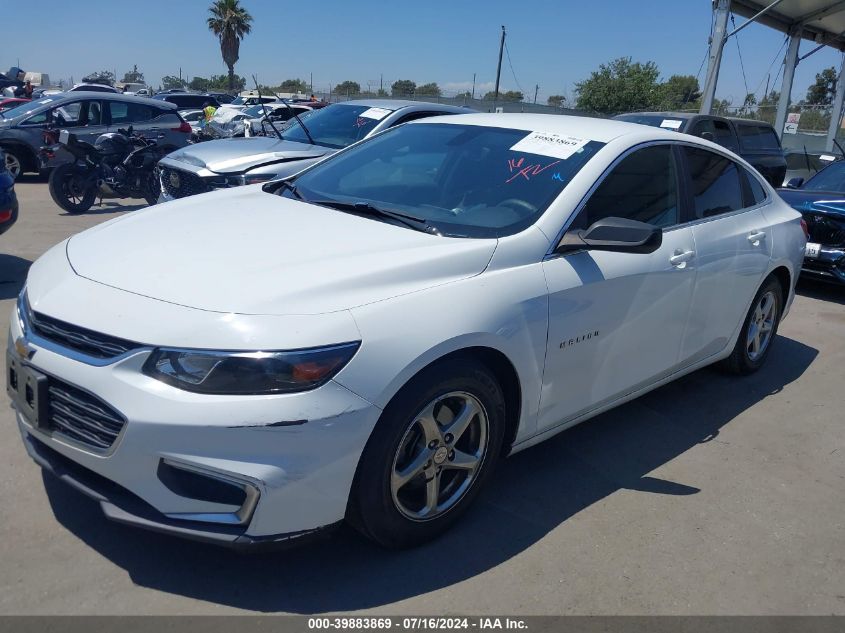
365, 208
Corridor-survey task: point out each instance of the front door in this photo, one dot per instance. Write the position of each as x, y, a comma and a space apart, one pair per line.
616, 320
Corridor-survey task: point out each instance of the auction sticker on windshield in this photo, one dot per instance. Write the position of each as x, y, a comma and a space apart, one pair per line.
550, 144
672, 124
375, 113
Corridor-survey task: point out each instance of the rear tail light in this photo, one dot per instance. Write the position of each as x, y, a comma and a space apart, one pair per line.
6, 215
805, 229
183, 127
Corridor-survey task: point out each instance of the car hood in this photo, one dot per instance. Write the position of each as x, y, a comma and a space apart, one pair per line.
246, 251
825, 201
235, 155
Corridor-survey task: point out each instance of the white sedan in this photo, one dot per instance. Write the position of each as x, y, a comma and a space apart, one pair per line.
365, 340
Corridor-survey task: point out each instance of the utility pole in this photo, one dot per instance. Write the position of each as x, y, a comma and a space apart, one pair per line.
311, 84
499, 67
536, 90
380, 83
473, 85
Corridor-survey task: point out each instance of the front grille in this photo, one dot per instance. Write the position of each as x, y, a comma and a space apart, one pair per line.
78, 338
825, 229
180, 184
82, 417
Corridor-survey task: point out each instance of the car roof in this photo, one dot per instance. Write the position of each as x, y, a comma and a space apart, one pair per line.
398, 104
602, 130
673, 115
108, 96
755, 122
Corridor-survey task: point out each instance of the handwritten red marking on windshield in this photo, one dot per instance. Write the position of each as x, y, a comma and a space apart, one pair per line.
526, 171
361, 121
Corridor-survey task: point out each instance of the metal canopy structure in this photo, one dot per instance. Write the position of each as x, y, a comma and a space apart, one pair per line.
820, 21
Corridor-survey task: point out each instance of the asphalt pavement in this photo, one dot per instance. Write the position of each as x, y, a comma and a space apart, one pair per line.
712, 495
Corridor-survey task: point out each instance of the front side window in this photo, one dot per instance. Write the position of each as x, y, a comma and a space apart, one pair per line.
337, 125
464, 180
642, 187
716, 187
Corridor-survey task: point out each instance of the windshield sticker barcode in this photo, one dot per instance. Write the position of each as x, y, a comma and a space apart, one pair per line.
375, 113
550, 144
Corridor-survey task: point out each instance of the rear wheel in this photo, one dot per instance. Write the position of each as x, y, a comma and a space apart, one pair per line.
758, 331
70, 191
13, 162
434, 447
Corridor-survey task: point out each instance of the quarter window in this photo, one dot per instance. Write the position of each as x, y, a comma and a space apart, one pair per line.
716, 187
758, 194
643, 187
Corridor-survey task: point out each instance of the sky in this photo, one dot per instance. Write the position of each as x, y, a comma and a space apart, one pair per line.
551, 43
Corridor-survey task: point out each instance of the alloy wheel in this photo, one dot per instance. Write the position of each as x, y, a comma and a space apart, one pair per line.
13, 165
761, 326
439, 456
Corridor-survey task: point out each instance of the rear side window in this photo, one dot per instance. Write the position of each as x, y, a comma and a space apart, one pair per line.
643, 187
191, 101
758, 194
758, 137
716, 187
122, 112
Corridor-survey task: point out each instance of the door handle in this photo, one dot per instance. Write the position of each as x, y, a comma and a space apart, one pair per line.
680, 258
755, 237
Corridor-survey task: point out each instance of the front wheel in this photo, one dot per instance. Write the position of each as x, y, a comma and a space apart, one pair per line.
431, 452
758, 330
70, 191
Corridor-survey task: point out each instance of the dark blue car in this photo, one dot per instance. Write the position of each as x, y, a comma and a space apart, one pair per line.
8, 200
821, 200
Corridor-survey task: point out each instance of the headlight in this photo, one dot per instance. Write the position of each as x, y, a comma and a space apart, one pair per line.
248, 373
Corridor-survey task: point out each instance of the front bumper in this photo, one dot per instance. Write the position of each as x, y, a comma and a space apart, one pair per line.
828, 266
298, 451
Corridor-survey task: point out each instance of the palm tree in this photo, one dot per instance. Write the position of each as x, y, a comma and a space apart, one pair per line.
230, 22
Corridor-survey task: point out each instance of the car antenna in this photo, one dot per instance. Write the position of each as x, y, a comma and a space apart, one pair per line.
264, 108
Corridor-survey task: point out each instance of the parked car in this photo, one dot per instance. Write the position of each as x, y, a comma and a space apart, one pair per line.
187, 100
803, 164
8, 103
227, 163
756, 141
8, 199
257, 118
366, 339
94, 88
242, 102
821, 200
87, 115
194, 119
221, 97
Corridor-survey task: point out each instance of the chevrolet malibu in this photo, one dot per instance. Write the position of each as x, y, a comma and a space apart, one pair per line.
366, 340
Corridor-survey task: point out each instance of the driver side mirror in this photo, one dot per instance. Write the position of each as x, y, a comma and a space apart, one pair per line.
795, 183
708, 136
618, 235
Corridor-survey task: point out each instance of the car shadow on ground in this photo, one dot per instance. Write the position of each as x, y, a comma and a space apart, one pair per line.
110, 206
531, 494
821, 290
13, 271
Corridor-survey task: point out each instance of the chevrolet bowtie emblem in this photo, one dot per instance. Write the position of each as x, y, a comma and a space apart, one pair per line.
23, 349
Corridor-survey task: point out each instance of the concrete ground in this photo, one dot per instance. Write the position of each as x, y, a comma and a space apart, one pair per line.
713, 495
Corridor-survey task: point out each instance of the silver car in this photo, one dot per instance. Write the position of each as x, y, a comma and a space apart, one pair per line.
232, 162
87, 115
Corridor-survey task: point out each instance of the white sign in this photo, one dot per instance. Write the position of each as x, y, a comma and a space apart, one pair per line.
790, 128
500, 109
672, 124
550, 144
375, 113
827, 158
793, 117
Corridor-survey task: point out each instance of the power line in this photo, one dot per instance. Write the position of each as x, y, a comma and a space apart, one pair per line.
516, 81
769, 69
741, 65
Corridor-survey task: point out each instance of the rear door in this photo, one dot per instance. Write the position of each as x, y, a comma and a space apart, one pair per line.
733, 248
84, 118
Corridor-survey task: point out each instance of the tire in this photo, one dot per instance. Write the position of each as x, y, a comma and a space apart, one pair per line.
399, 514
67, 194
748, 356
14, 162
153, 188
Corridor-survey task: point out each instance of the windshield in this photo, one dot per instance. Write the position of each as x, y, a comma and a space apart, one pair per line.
464, 180
337, 125
831, 178
238, 101
24, 108
654, 120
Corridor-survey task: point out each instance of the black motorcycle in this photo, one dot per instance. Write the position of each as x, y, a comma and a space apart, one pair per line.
121, 162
